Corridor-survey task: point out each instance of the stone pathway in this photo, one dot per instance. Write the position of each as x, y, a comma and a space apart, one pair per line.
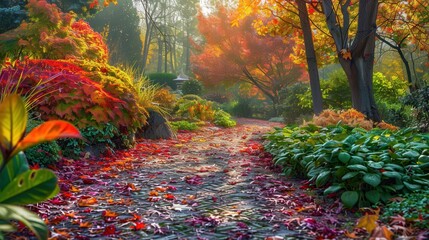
212, 184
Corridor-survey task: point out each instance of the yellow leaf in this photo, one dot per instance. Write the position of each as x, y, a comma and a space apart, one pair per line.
13, 120
369, 222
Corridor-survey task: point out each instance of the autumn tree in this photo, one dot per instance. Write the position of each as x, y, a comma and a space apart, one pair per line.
232, 54
351, 26
403, 26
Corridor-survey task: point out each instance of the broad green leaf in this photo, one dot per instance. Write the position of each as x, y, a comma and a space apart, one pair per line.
373, 196
391, 174
6, 226
28, 218
376, 165
332, 189
17, 165
372, 179
349, 175
13, 121
322, 178
349, 198
344, 157
48, 131
32, 186
412, 187
357, 167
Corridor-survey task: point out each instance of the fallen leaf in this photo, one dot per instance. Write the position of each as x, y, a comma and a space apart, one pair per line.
368, 222
381, 233
85, 225
138, 226
87, 202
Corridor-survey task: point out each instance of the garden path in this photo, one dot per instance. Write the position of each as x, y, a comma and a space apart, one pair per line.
211, 184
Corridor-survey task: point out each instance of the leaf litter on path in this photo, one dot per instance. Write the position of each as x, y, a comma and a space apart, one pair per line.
211, 184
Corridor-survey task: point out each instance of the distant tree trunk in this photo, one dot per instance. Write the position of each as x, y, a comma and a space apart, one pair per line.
160, 47
360, 64
313, 72
397, 47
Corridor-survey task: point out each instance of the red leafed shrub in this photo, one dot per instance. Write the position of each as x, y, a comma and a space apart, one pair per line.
74, 96
51, 34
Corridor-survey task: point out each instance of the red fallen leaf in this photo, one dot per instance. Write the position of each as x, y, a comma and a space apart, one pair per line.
194, 180
88, 180
242, 225
57, 201
58, 219
64, 233
214, 199
109, 230
171, 188
138, 226
169, 196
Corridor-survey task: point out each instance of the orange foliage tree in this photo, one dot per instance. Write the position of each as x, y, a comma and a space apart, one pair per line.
232, 54
348, 27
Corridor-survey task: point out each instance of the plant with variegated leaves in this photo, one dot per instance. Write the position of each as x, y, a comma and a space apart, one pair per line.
18, 184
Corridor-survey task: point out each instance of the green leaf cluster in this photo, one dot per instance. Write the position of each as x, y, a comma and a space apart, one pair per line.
223, 119
362, 167
184, 125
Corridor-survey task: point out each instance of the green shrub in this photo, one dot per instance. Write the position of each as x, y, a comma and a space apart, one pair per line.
414, 207
223, 119
192, 87
290, 108
184, 125
242, 108
365, 167
419, 100
192, 107
163, 79
44, 154
94, 137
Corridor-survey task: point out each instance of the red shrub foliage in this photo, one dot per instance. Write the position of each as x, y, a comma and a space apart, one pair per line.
73, 96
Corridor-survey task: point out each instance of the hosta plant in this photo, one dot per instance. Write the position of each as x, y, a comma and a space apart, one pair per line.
360, 167
19, 185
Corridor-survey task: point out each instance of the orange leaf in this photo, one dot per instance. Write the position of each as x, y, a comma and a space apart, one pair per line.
381, 233
85, 225
153, 193
48, 131
74, 189
369, 222
86, 202
109, 214
346, 54
350, 235
169, 196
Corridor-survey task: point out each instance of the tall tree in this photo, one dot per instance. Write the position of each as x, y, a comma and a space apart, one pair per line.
240, 54
353, 41
123, 36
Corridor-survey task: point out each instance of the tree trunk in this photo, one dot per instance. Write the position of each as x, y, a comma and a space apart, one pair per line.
359, 66
313, 72
160, 47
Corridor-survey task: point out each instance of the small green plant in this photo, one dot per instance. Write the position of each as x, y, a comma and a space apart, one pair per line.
18, 184
92, 136
192, 87
44, 154
163, 79
419, 100
223, 119
184, 125
414, 207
